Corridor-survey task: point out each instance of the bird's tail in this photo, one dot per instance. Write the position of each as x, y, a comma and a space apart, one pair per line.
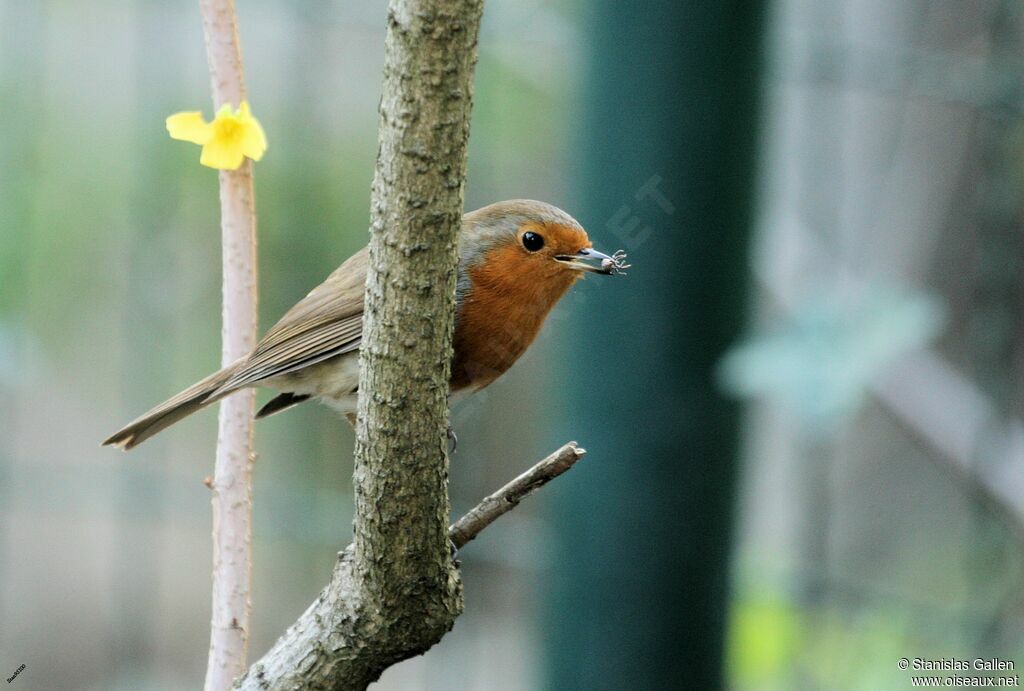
199, 395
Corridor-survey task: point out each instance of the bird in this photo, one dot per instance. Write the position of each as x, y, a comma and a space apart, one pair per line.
516, 259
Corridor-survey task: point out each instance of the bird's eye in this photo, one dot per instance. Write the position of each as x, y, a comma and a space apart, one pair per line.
532, 241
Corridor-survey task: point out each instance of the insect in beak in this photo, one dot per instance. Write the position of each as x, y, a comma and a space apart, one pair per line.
589, 259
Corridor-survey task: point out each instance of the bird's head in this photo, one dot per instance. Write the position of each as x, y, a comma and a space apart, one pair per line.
528, 246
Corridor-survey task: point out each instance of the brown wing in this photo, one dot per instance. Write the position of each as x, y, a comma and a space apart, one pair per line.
325, 323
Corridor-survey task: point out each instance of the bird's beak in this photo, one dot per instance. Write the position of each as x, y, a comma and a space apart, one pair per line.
589, 259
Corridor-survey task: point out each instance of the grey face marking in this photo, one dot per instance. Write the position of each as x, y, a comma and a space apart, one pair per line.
494, 225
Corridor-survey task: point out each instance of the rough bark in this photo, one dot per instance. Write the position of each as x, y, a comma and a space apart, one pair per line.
397, 592
232, 480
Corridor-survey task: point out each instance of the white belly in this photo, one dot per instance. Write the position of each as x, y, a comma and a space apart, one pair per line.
333, 381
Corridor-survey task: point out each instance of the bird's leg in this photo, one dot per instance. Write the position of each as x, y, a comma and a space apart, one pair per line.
452, 439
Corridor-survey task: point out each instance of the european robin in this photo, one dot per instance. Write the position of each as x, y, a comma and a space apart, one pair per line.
516, 260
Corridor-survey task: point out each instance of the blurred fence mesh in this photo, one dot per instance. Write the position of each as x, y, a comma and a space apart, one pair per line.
884, 495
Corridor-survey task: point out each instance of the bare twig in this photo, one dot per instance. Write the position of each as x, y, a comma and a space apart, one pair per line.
232, 482
329, 645
508, 497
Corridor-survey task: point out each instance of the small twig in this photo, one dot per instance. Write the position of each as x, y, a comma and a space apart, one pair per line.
509, 496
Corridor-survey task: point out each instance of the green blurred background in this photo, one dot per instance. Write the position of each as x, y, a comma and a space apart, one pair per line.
802, 407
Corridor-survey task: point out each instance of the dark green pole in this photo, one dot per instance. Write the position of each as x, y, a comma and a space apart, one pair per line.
666, 138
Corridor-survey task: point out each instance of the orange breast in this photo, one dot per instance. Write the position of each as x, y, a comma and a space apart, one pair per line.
502, 313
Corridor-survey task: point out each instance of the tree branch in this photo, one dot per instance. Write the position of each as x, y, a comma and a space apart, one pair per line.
397, 592
232, 481
508, 497
327, 647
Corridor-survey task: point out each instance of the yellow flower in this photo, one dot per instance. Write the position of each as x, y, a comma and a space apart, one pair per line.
226, 141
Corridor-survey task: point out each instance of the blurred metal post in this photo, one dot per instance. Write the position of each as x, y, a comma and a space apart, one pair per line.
666, 135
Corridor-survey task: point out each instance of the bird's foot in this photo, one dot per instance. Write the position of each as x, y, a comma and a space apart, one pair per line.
453, 441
